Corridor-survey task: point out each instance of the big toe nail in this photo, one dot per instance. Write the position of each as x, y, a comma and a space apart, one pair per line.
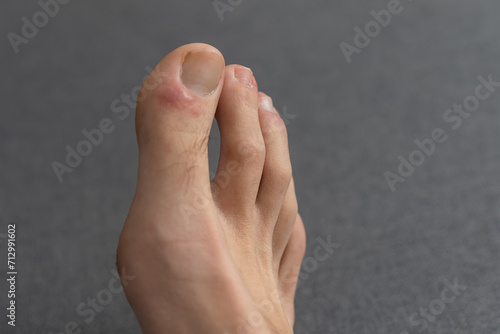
201, 71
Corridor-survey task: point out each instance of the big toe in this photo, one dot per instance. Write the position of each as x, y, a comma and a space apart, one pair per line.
175, 110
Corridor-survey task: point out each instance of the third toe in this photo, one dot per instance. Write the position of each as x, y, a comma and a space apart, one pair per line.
277, 169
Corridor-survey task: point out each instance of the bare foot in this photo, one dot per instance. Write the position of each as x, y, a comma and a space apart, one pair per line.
211, 256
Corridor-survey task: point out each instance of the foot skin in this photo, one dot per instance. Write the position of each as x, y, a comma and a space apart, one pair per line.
217, 256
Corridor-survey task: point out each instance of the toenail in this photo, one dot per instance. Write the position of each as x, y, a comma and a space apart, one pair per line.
244, 75
267, 103
202, 71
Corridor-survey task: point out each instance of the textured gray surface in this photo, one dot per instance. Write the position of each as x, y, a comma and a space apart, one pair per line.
352, 122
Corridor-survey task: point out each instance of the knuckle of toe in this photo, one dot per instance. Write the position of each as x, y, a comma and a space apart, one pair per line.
299, 237
283, 175
301, 244
275, 129
290, 209
252, 149
293, 209
278, 125
275, 133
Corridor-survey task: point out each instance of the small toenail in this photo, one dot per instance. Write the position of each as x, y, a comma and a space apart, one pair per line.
202, 71
267, 103
244, 75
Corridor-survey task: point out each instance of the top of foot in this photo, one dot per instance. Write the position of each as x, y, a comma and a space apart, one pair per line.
211, 256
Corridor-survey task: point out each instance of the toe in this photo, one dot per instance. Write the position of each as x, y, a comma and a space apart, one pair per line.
284, 224
242, 152
277, 170
290, 267
175, 109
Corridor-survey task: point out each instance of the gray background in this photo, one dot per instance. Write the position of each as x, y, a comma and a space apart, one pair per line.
352, 122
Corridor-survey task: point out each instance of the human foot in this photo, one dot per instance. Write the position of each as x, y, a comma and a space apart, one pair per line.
211, 256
